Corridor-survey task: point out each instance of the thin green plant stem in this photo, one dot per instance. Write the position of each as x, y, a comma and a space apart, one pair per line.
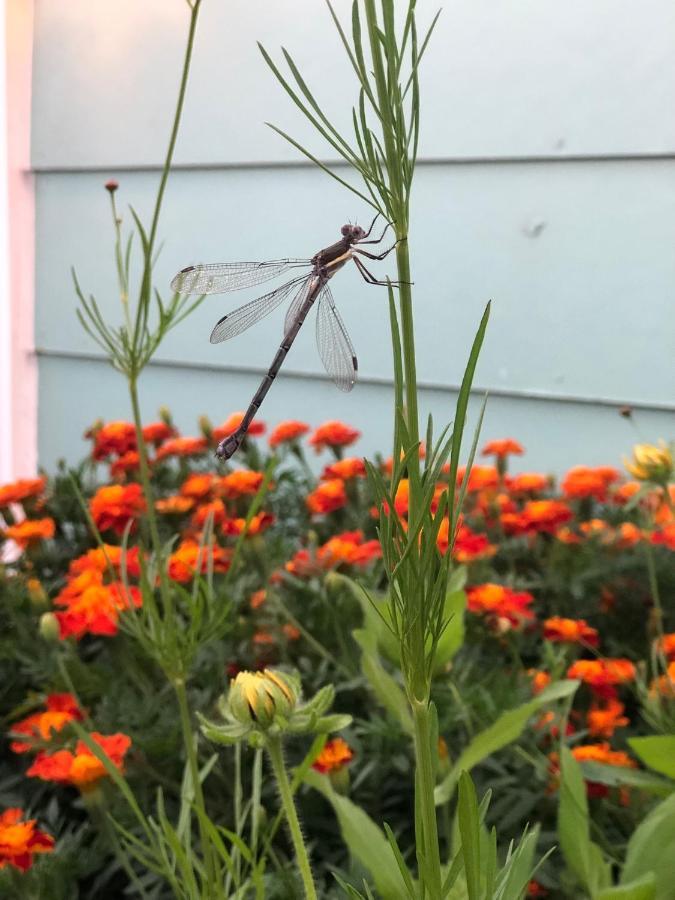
276, 754
311, 640
425, 777
654, 588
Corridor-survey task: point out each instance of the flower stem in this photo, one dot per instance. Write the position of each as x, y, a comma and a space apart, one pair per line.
428, 855
277, 759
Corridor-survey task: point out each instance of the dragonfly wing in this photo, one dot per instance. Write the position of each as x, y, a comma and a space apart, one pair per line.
239, 320
297, 303
335, 348
217, 278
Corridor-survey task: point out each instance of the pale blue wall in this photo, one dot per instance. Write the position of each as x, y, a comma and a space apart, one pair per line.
547, 183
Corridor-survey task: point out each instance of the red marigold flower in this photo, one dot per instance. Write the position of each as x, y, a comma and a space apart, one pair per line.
92, 607
304, 565
328, 496
198, 486
20, 840
113, 506
189, 557
664, 536
604, 718
528, 483
128, 462
349, 549
230, 425
176, 505
586, 481
622, 493
285, 432
240, 483
537, 516
570, 631
60, 709
502, 447
469, 547
81, 768
23, 489
509, 608
351, 467
259, 523
30, 531
602, 675
157, 432
113, 439
333, 434
215, 509
182, 446
335, 755
534, 889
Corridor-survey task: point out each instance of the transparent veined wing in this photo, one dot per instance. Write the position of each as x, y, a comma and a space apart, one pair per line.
240, 319
293, 310
336, 350
217, 278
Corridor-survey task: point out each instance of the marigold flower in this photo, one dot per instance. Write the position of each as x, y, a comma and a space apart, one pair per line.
528, 483
349, 549
231, 424
30, 531
113, 506
175, 505
469, 545
157, 432
480, 477
23, 489
259, 523
510, 608
627, 535
288, 431
666, 645
664, 685
81, 768
214, 510
596, 528
665, 536
540, 680
602, 675
100, 559
587, 481
263, 638
622, 493
334, 756
258, 697
60, 709
602, 753
128, 462
333, 434
570, 631
92, 607
198, 486
604, 718
352, 467
651, 463
258, 598
290, 632
113, 439
240, 483
544, 516
304, 565
503, 447
328, 496
20, 840
182, 446
189, 556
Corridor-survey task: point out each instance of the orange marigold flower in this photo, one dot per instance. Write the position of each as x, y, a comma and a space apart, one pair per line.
291, 633
540, 680
18, 491
189, 557
349, 549
502, 447
664, 684
596, 528
570, 631
113, 506
665, 536
21, 840
285, 432
215, 510
509, 608
263, 638
537, 516
604, 718
480, 477
602, 675
304, 565
128, 462
469, 545
622, 493
240, 483
328, 496
92, 607
101, 558
352, 467
113, 439
182, 446
198, 486
335, 755
60, 709
587, 481
666, 645
30, 531
81, 768
231, 424
259, 523
258, 598
157, 432
627, 535
603, 754
333, 434
176, 505
528, 483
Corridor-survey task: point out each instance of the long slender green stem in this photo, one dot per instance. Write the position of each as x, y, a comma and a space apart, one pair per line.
425, 777
275, 751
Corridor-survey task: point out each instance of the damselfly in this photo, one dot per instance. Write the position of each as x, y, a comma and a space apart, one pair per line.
335, 348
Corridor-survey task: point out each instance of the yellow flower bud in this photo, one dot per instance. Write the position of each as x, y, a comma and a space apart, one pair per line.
259, 697
651, 463
36, 592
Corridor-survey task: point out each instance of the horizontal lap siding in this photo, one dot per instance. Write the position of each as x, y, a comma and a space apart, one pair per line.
575, 252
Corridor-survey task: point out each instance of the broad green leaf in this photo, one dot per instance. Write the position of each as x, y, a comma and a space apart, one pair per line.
615, 776
651, 850
381, 682
644, 889
508, 727
366, 842
469, 829
582, 856
657, 752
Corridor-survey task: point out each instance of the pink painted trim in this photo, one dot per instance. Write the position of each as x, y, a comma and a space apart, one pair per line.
21, 194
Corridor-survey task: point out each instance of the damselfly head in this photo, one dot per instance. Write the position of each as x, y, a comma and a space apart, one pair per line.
353, 232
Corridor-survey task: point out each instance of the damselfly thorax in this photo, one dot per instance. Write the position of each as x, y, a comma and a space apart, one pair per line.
335, 347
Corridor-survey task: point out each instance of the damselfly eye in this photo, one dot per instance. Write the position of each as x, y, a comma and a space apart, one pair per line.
346, 230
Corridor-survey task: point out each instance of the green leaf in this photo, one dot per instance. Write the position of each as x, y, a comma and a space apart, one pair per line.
453, 636
469, 829
381, 682
365, 840
582, 856
651, 850
508, 728
657, 752
615, 776
644, 889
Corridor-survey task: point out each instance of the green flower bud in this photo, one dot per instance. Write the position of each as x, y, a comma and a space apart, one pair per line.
49, 627
258, 698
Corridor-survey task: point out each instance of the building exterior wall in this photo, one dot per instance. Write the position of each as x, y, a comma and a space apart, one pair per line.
546, 183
